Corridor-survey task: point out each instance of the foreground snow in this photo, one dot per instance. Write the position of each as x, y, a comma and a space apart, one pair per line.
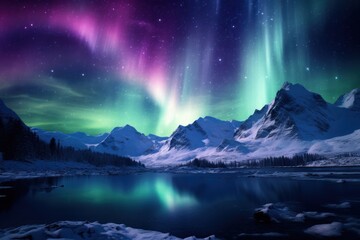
326, 230
280, 213
84, 230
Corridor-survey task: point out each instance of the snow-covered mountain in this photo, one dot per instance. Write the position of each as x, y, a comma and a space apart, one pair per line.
204, 132
296, 121
122, 141
350, 100
297, 113
76, 140
126, 141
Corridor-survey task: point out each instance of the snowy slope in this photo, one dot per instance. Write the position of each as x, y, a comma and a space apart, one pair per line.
350, 100
77, 140
343, 144
126, 141
204, 132
297, 113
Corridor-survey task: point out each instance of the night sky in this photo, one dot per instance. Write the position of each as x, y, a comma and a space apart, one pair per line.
92, 65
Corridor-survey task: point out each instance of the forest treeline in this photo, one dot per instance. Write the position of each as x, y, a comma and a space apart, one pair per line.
18, 142
282, 161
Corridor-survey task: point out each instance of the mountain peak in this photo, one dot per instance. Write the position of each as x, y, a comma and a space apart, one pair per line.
297, 94
296, 90
350, 100
125, 129
126, 141
295, 112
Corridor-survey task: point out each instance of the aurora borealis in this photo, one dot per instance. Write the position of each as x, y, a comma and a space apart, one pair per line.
93, 65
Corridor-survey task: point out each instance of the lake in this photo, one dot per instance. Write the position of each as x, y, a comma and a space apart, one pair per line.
186, 204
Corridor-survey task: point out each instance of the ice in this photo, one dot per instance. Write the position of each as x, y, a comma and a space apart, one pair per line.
326, 230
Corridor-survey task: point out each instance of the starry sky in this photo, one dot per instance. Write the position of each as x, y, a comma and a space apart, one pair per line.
93, 65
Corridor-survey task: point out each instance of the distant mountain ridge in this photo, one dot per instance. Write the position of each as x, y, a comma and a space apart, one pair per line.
77, 140
296, 121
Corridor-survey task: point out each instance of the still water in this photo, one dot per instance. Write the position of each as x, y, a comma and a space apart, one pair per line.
184, 204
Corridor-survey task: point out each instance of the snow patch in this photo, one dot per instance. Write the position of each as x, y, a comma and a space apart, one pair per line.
317, 215
338, 205
325, 230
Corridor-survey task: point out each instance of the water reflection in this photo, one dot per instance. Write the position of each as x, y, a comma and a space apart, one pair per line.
182, 204
170, 198
130, 191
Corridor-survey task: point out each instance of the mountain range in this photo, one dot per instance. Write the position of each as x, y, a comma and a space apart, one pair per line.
296, 121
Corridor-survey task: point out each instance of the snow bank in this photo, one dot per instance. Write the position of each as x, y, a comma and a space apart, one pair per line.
353, 225
338, 205
317, 215
326, 230
84, 230
279, 212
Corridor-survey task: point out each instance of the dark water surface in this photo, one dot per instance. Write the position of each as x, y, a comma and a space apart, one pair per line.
186, 204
